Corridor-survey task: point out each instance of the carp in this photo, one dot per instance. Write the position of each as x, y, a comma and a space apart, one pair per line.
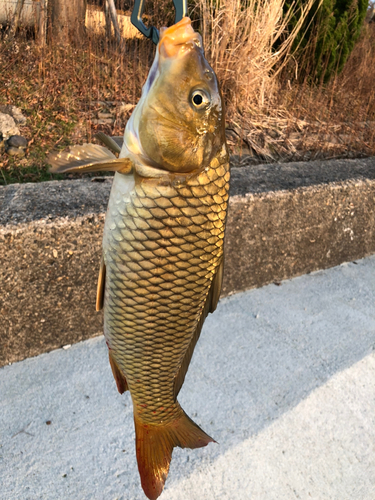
162, 265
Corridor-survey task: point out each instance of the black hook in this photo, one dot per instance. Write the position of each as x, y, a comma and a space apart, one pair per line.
151, 32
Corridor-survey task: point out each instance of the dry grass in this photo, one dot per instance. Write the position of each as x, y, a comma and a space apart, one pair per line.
62, 89
239, 37
300, 121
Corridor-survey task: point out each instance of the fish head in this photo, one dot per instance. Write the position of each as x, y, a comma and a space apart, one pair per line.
178, 125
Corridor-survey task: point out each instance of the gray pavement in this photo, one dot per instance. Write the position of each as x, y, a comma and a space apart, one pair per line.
283, 378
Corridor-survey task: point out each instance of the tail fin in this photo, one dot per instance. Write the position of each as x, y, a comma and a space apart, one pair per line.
154, 445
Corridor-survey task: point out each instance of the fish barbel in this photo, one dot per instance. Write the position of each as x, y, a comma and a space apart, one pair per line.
162, 264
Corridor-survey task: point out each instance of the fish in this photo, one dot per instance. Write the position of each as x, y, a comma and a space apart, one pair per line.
161, 270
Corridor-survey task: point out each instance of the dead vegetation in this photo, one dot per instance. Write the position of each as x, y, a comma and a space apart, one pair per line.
70, 93
270, 115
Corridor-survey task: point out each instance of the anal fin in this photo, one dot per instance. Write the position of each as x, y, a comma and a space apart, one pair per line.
119, 377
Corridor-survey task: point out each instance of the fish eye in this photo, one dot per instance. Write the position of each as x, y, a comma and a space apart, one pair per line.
200, 99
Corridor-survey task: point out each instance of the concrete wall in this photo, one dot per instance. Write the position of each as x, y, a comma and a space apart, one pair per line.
284, 220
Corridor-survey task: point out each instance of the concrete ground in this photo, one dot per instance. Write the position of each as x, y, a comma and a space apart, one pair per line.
283, 378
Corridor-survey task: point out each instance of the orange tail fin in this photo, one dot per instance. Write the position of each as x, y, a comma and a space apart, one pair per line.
154, 445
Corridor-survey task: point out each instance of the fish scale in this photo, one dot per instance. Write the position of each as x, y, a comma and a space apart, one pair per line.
162, 246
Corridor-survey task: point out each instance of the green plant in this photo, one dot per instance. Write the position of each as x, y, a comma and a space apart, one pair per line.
327, 36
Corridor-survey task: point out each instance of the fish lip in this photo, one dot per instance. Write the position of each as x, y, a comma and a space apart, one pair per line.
179, 38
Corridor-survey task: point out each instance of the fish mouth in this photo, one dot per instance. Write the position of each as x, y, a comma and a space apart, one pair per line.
178, 38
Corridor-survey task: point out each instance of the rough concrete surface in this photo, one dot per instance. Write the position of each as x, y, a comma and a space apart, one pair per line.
73, 198
277, 235
284, 220
283, 378
47, 201
48, 285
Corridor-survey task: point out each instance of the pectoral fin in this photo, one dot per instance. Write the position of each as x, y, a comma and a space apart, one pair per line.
88, 158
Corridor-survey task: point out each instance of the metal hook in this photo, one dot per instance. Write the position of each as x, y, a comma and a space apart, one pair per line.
151, 32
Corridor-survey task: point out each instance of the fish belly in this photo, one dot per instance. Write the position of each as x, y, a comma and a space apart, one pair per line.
163, 243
